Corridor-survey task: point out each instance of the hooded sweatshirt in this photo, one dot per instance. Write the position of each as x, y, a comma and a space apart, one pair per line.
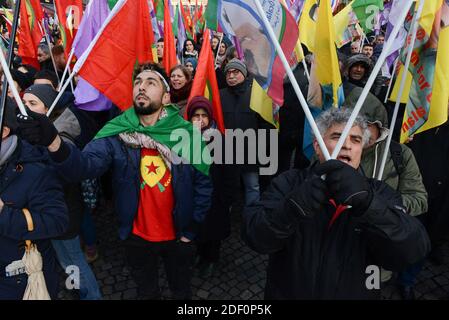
408, 182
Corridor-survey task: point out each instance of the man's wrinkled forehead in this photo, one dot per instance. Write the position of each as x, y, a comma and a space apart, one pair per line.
336, 130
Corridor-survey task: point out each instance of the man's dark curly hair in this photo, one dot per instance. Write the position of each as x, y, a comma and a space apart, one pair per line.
152, 67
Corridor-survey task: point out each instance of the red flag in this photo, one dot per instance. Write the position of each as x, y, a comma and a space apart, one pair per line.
187, 22
30, 31
124, 42
69, 14
169, 59
205, 81
36, 5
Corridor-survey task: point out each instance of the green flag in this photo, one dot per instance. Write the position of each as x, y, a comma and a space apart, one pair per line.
172, 131
159, 6
366, 11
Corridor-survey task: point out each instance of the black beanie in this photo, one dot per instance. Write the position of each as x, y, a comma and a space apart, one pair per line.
44, 92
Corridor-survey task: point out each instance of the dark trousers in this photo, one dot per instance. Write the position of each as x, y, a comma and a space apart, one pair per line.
143, 260
209, 250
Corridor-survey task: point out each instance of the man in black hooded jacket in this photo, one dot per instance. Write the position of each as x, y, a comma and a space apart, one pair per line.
326, 238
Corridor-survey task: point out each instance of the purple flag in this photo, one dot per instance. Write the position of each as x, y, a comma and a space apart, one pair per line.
87, 97
94, 16
393, 18
181, 33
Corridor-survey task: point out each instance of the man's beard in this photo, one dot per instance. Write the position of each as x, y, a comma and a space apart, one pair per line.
143, 110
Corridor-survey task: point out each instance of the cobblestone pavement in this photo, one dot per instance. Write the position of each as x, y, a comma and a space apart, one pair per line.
240, 274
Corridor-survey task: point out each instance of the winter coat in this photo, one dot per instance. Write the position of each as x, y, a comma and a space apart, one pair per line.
431, 149
310, 260
408, 182
406, 178
237, 114
27, 182
192, 189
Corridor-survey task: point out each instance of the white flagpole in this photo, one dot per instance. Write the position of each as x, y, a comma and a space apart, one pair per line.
371, 79
414, 29
306, 71
13, 88
67, 67
86, 53
292, 78
390, 85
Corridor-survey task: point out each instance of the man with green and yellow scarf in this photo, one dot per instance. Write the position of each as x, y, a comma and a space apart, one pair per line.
160, 179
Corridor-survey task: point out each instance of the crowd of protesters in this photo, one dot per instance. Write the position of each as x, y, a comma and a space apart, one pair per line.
320, 234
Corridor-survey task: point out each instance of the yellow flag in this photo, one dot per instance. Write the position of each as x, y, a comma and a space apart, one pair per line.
425, 22
262, 104
307, 24
328, 70
341, 22
408, 84
427, 67
438, 112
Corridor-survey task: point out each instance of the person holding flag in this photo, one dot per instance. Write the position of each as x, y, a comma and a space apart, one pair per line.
160, 200
33, 197
326, 237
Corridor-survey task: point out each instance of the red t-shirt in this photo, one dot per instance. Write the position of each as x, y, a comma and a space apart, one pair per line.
154, 220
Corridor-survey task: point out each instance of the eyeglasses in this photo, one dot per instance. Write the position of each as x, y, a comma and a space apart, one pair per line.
233, 72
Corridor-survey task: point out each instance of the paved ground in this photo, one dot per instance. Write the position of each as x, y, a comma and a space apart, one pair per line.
240, 274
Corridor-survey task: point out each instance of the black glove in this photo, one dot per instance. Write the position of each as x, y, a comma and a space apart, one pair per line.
310, 196
346, 185
36, 128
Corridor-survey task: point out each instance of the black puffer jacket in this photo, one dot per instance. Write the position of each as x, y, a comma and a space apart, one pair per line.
237, 114
310, 260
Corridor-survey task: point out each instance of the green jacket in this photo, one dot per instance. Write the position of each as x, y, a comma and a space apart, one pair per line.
409, 182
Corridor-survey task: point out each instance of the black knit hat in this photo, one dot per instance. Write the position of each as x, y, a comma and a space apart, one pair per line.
44, 92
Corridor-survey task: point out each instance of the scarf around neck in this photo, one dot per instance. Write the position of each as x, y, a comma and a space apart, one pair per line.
170, 130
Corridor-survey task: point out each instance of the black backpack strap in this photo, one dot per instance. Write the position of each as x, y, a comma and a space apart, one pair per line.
396, 156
